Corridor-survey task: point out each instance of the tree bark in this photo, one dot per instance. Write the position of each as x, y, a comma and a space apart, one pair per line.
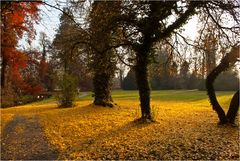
225, 63
233, 108
211, 92
104, 69
141, 72
142, 62
104, 61
102, 89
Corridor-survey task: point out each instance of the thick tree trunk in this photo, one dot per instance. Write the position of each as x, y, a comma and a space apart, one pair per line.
102, 89
211, 92
233, 108
141, 72
104, 69
104, 61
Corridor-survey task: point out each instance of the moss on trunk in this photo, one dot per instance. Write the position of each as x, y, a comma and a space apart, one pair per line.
144, 90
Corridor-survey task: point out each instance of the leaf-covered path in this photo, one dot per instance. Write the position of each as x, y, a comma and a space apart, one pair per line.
24, 139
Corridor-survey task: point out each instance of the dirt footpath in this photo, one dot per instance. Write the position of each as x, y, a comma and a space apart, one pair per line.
23, 139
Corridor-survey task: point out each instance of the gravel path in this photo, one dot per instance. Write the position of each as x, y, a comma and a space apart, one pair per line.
23, 139
83, 94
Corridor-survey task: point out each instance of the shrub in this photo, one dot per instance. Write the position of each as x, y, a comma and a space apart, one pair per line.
68, 85
154, 113
7, 97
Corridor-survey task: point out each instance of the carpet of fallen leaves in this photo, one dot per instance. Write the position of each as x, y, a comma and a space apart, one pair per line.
183, 130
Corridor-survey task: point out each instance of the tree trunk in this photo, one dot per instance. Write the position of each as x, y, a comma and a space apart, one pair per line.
225, 63
104, 61
211, 92
102, 83
3, 73
141, 72
233, 108
121, 77
104, 69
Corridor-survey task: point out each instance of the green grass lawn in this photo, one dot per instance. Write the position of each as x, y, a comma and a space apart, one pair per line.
167, 95
224, 97
160, 95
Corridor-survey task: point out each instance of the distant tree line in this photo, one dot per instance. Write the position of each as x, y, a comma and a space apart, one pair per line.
169, 76
227, 81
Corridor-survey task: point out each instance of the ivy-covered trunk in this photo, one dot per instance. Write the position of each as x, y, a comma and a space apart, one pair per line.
103, 74
141, 71
104, 58
142, 78
102, 89
104, 69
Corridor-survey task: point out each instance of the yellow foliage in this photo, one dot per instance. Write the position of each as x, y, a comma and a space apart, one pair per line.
184, 130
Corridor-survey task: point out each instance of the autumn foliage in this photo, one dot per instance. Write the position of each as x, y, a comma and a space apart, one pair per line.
17, 21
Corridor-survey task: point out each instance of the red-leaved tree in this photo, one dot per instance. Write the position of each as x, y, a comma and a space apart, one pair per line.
17, 19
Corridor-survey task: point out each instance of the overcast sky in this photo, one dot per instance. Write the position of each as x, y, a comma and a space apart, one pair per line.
49, 22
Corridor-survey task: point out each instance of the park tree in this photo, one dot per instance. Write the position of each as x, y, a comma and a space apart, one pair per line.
63, 41
103, 57
33, 85
95, 35
148, 22
72, 41
44, 70
72, 52
208, 43
17, 19
226, 62
66, 58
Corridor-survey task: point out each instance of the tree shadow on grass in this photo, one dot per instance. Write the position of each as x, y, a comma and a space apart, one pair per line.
23, 139
115, 132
